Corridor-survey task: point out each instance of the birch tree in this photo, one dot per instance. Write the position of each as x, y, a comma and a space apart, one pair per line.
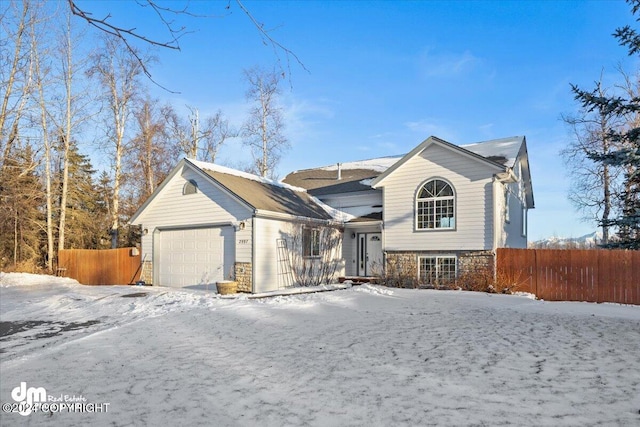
198, 140
15, 70
263, 131
117, 73
42, 73
153, 151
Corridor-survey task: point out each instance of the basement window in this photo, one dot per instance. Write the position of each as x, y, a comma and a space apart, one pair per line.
436, 270
190, 187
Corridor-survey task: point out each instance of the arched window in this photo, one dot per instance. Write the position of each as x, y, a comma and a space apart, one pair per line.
435, 206
190, 187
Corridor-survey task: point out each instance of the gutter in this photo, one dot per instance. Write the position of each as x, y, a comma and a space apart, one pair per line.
259, 213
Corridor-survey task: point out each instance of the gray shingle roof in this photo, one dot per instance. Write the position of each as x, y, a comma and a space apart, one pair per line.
322, 181
263, 195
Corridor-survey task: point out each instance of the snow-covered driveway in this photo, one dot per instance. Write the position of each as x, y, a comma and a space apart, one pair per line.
364, 356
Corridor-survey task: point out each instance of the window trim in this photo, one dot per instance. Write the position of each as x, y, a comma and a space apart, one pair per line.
507, 204
437, 258
190, 187
416, 201
310, 247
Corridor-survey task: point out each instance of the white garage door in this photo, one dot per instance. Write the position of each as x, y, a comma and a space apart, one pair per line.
194, 256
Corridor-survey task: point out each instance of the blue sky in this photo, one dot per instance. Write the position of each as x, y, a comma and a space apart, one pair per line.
384, 76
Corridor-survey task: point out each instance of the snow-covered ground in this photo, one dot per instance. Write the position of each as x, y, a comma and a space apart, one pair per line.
363, 356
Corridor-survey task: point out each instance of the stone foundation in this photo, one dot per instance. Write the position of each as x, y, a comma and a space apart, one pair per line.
475, 262
402, 266
243, 274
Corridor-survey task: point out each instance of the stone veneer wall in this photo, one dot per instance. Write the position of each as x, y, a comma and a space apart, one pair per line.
405, 264
475, 262
242, 271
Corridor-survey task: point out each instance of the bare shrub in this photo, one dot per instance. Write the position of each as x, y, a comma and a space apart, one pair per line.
315, 262
401, 272
27, 266
483, 280
508, 281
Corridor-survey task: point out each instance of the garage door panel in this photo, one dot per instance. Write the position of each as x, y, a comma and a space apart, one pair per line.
188, 257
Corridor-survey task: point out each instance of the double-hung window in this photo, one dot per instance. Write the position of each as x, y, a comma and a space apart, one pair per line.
310, 242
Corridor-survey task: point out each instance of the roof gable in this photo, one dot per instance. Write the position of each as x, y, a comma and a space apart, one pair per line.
254, 192
493, 162
138, 216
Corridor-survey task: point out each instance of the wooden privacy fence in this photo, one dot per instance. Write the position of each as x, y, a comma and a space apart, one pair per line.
100, 267
573, 275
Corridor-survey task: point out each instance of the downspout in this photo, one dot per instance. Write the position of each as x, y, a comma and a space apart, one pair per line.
253, 252
497, 232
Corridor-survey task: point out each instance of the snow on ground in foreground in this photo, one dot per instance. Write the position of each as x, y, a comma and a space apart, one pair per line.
362, 356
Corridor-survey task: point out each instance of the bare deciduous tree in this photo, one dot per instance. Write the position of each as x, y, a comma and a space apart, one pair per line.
198, 141
15, 70
593, 184
263, 129
41, 73
118, 74
215, 133
153, 151
174, 31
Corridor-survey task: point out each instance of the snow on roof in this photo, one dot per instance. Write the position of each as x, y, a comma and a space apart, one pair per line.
504, 150
379, 164
271, 195
229, 171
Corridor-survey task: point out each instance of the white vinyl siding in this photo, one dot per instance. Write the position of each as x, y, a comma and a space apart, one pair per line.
208, 206
265, 268
512, 221
244, 236
472, 183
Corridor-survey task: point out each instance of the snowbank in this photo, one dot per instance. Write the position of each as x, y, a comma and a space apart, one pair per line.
366, 355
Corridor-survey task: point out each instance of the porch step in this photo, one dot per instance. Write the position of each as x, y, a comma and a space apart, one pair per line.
358, 280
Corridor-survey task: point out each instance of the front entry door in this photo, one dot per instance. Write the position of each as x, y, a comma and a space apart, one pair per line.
369, 254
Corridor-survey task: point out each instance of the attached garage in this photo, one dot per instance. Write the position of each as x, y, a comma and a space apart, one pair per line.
206, 223
194, 256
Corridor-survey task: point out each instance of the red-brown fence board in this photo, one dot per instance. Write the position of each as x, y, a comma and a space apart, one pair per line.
100, 267
520, 270
574, 275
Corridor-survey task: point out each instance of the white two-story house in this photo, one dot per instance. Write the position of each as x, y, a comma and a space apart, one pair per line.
437, 212
440, 209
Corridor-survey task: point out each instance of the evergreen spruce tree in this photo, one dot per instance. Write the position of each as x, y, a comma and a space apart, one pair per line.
627, 138
87, 220
21, 210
